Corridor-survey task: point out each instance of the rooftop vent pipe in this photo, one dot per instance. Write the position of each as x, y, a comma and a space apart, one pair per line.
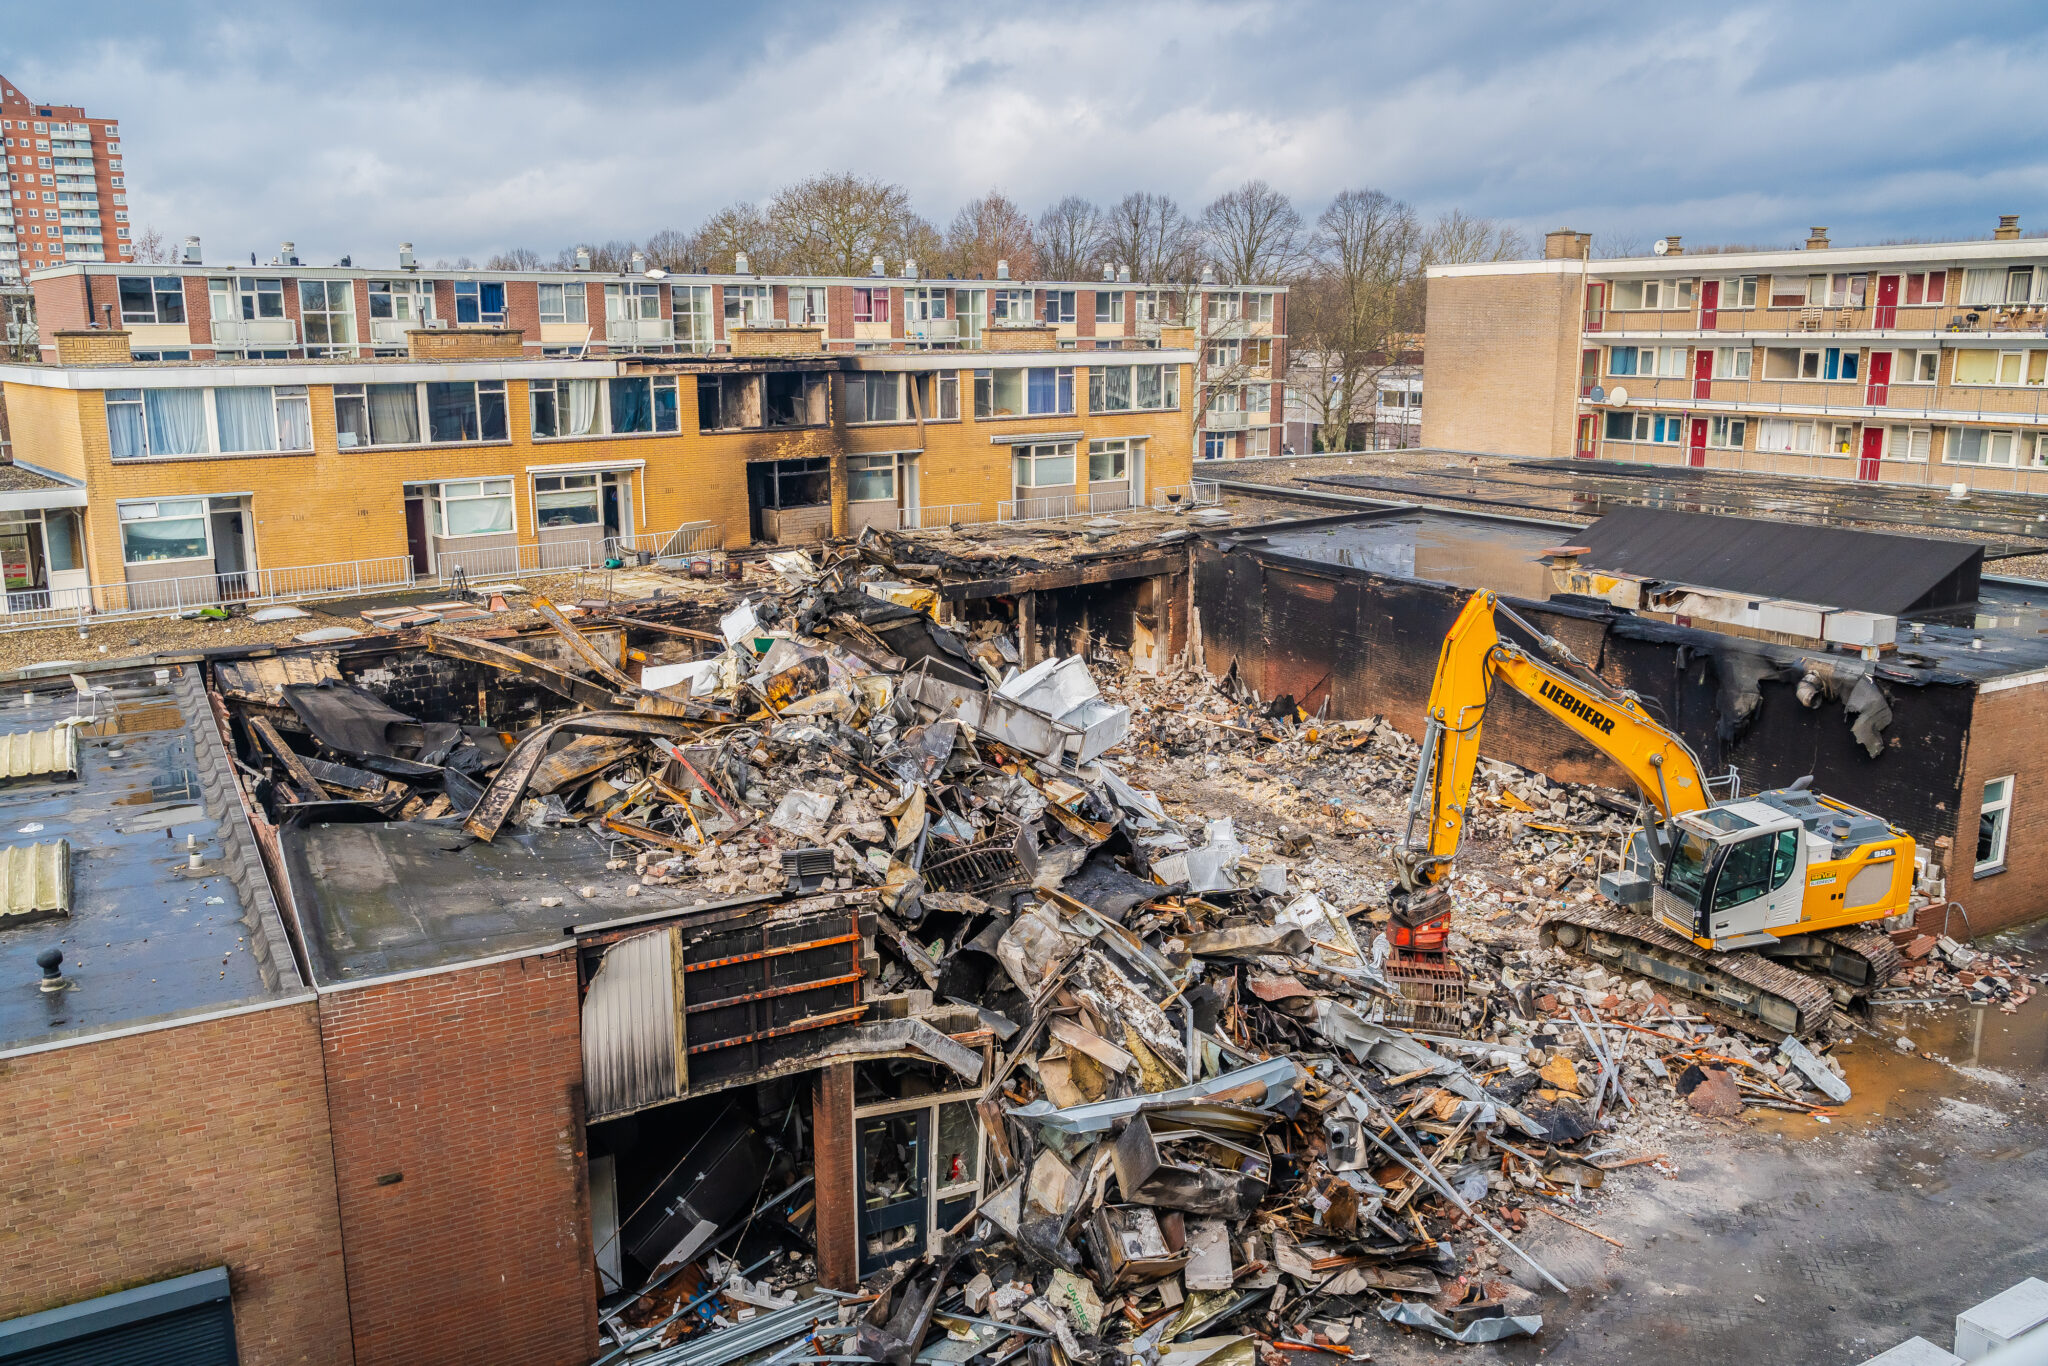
740, 265
582, 258
1003, 270
191, 254
405, 256
51, 961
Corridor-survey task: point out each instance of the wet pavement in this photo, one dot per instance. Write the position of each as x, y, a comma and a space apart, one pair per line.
1784, 1239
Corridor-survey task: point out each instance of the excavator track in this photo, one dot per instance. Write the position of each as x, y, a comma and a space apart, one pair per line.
1741, 989
1878, 956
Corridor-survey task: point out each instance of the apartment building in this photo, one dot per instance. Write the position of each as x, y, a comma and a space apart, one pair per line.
289, 310
67, 197
1386, 412
1923, 364
140, 484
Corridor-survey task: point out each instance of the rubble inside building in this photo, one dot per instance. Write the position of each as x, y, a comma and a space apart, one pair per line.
1103, 936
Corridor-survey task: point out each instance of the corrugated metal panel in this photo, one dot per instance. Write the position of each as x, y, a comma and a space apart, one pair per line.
35, 881
39, 753
632, 1056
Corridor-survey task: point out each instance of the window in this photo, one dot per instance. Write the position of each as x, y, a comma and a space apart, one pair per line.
1671, 361
753, 305
807, 306
156, 422
871, 478
1621, 360
1916, 367
475, 507
2019, 284
1738, 291
1009, 306
1791, 362
1841, 438
634, 302
589, 407
1109, 306
1223, 308
2001, 367
1839, 362
151, 299
1646, 294
941, 396
480, 301
564, 304
167, 529
263, 419
406, 301
327, 313
1994, 820
466, 411
1222, 355
1976, 446
246, 298
1258, 308
1123, 388
1731, 362
1665, 428
1976, 367
870, 305
1727, 433
1059, 305
561, 500
1982, 285
376, 415
874, 398
925, 305
1047, 466
1777, 434
1038, 391
1925, 287
1109, 460
1847, 291
970, 306
1907, 443
690, 305
1796, 291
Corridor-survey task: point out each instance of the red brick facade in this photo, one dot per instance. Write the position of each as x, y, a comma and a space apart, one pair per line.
137, 1158
456, 1105
2004, 742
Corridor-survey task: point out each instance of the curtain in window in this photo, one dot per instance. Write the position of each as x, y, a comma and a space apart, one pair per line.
451, 412
478, 516
582, 407
1980, 286
1148, 387
1043, 391
124, 425
294, 423
177, 421
245, 418
394, 415
632, 407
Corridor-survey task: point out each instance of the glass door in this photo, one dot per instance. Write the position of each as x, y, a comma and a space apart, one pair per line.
891, 1159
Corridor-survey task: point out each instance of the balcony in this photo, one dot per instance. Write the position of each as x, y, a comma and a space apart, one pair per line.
932, 330
238, 334
391, 331
638, 332
1215, 421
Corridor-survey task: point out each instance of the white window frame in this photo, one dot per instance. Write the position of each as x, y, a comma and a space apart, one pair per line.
633, 301
1812, 288
1727, 433
1800, 438
150, 510
1908, 443
1990, 441
1125, 451
1031, 456
563, 303
1737, 291
1109, 306
869, 382
690, 307
1906, 366
492, 489
1060, 305
867, 466
1733, 362
1919, 280
2000, 810
575, 488
656, 385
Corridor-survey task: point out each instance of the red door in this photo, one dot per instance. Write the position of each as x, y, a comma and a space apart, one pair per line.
1877, 394
1589, 426
1710, 304
1703, 372
1887, 314
1596, 306
1873, 452
1696, 450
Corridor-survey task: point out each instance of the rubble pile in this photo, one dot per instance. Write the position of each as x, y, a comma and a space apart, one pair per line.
1941, 972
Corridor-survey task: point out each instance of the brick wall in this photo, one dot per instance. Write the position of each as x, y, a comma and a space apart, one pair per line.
134, 1159
466, 1085
466, 343
93, 348
1502, 362
2005, 735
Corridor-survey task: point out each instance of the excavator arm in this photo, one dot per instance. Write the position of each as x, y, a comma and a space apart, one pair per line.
1474, 660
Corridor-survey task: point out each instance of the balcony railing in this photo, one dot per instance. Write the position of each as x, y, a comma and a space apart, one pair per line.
690, 538
240, 333
174, 597
639, 332
1050, 508
519, 561
391, 331
941, 515
933, 330
2019, 405
1218, 421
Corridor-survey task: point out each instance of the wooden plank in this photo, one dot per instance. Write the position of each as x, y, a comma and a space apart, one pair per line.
309, 788
582, 648
496, 656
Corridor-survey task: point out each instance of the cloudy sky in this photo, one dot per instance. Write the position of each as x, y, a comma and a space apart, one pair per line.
469, 127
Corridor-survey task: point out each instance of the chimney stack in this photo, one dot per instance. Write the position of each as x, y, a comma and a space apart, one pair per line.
636, 264
877, 266
405, 261
1208, 275
909, 269
1671, 247
287, 253
1566, 244
1817, 239
1123, 274
582, 258
1003, 270
190, 257
740, 264
1109, 271
2008, 227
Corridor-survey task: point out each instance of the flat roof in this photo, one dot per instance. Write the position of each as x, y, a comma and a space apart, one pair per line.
380, 898
147, 940
1800, 260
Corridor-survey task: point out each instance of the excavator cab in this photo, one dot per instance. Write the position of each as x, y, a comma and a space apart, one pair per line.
1735, 873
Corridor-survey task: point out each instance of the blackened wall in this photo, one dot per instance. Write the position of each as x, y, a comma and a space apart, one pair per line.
1370, 645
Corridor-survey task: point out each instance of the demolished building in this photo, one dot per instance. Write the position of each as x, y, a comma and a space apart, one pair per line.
671, 961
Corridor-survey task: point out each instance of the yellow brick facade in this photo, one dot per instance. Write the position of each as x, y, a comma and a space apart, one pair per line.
333, 505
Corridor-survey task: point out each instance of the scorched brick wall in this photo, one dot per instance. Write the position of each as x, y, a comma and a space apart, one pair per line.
456, 1104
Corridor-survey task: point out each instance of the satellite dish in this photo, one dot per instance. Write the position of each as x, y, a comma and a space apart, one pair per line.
1661, 245
1618, 396
1599, 395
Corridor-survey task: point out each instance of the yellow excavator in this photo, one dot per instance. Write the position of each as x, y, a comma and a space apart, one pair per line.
1761, 909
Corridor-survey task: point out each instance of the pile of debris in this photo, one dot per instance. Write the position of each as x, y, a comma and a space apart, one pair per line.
1942, 972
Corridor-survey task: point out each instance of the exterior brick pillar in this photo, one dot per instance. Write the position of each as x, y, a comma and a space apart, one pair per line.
94, 346
838, 1222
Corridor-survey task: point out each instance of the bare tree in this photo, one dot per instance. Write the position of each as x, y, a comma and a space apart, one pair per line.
1252, 235
834, 224
1065, 243
1350, 314
914, 239
736, 228
988, 230
149, 247
670, 250
1457, 238
1621, 244
1148, 234
610, 256
516, 258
